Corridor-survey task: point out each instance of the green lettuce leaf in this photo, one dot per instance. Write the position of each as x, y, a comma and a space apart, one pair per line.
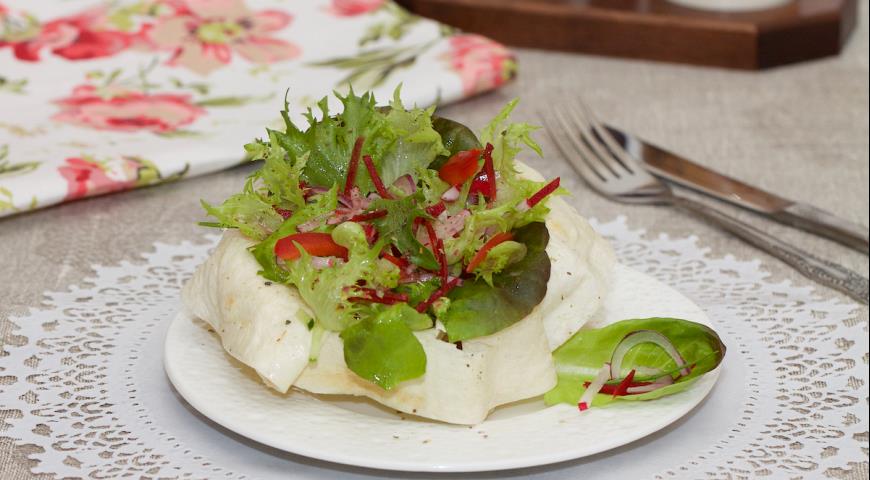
477, 309
326, 291
382, 348
328, 142
417, 143
400, 141
579, 359
279, 175
498, 258
322, 206
248, 211
418, 291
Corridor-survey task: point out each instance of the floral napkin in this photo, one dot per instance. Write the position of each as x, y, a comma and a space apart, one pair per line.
100, 97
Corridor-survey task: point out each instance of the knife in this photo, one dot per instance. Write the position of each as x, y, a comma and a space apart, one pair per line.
684, 172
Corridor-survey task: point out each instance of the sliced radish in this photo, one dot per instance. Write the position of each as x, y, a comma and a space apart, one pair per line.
660, 382
406, 184
594, 387
450, 195
322, 262
634, 339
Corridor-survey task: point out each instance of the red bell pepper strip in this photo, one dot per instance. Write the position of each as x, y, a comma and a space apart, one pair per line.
371, 233
622, 388
353, 165
619, 390
437, 209
365, 217
372, 295
399, 262
489, 169
316, 244
481, 254
284, 213
460, 167
376, 179
540, 194
437, 248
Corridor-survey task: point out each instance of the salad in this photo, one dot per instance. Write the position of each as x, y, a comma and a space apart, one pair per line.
388, 220
393, 232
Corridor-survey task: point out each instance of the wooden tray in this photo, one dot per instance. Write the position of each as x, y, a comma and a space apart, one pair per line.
656, 29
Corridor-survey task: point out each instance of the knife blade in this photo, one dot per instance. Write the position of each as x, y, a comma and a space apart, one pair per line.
682, 171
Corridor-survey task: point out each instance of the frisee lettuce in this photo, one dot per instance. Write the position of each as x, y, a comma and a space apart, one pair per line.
250, 212
327, 291
400, 141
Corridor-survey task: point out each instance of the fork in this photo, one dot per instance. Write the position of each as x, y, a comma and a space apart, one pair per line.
612, 172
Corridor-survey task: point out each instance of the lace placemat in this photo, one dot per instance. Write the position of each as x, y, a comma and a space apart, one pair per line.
88, 381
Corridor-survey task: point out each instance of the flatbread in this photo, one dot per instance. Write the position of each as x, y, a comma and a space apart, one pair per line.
259, 324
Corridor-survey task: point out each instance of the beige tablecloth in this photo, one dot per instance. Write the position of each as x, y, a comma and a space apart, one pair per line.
800, 130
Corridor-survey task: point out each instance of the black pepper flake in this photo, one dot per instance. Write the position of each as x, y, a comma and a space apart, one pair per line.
268, 283
286, 322
311, 324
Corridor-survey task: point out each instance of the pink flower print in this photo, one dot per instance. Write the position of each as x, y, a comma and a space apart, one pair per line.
350, 8
127, 110
203, 34
76, 37
85, 178
481, 63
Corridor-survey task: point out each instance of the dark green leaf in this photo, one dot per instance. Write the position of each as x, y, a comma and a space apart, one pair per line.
579, 359
477, 309
455, 136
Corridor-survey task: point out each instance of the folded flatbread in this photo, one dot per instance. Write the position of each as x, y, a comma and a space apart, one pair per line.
259, 323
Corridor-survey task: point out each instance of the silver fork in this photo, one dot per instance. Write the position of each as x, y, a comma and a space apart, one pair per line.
611, 171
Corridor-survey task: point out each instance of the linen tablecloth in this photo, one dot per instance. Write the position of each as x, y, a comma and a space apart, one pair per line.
98, 96
800, 130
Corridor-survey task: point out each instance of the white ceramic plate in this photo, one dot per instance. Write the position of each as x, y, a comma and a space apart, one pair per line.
358, 432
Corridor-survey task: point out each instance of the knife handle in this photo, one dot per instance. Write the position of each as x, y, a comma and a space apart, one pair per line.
822, 271
820, 222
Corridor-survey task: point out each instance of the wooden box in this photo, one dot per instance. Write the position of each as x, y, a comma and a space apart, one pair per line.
657, 29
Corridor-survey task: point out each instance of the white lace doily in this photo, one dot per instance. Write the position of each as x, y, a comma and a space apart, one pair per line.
791, 402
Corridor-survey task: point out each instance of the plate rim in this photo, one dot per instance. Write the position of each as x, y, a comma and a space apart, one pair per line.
706, 382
